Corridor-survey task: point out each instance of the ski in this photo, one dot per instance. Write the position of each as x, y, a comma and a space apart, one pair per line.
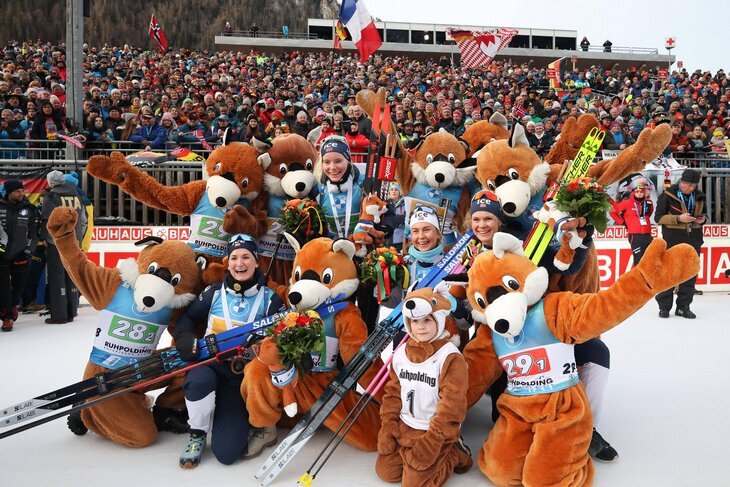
166, 361
348, 377
541, 234
373, 150
380, 167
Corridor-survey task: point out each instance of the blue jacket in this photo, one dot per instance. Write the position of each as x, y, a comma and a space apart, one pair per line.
155, 134
184, 135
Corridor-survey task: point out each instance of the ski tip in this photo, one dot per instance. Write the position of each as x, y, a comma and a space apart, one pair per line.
306, 480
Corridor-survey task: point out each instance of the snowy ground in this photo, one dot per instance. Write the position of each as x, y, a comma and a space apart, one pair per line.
666, 414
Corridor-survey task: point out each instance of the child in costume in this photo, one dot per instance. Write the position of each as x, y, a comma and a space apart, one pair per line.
212, 392
340, 187
425, 400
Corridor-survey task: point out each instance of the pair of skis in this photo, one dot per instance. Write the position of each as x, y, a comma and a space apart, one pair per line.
152, 369
541, 234
348, 377
380, 167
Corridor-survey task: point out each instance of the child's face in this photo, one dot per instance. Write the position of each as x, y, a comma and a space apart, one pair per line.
424, 329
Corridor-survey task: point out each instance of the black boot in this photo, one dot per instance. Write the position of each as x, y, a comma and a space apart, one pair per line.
685, 313
663, 313
172, 420
600, 449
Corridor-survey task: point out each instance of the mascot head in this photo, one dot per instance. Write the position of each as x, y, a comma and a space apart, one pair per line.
166, 274
323, 268
512, 170
289, 164
234, 172
424, 302
440, 161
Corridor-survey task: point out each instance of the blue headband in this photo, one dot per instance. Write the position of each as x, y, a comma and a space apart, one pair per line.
486, 201
242, 241
335, 144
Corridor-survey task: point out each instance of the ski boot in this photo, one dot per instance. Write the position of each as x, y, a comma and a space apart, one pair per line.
190, 458
260, 438
171, 420
600, 449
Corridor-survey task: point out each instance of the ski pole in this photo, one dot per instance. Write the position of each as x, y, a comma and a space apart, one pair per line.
375, 385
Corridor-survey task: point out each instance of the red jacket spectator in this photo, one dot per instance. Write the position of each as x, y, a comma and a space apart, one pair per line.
634, 214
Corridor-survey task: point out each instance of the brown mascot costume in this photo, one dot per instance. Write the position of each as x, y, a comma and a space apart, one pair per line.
235, 182
288, 162
545, 424
136, 301
323, 269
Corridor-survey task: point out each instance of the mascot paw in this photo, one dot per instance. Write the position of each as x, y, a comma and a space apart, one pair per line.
62, 221
239, 220
652, 142
662, 268
387, 443
112, 169
291, 409
215, 273
377, 236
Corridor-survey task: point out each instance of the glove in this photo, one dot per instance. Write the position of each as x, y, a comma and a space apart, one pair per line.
387, 442
424, 452
187, 346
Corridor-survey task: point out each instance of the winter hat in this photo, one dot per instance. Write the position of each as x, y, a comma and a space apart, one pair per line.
242, 241
168, 116
424, 302
486, 201
55, 178
12, 185
690, 176
335, 144
424, 215
128, 116
278, 114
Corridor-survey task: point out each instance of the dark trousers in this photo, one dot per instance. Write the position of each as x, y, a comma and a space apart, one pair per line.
685, 293
639, 242
229, 436
13, 276
62, 292
37, 264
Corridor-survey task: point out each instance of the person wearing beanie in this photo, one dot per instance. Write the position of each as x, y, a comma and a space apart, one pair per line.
634, 212
340, 187
425, 399
680, 210
212, 392
63, 293
395, 218
19, 223
485, 218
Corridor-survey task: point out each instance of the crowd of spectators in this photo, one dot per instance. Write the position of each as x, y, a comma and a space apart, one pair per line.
149, 100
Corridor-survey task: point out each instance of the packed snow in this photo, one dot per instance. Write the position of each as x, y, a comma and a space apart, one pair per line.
666, 414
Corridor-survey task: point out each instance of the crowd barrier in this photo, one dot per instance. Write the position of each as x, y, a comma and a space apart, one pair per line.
112, 205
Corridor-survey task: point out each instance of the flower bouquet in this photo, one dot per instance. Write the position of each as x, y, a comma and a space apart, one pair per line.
303, 219
584, 197
386, 268
298, 335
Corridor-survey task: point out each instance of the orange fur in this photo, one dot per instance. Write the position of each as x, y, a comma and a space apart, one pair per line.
365, 233
482, 133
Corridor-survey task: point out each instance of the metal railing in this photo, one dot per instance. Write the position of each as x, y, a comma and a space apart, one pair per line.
56, 149
270, 34
111, 204
622, 50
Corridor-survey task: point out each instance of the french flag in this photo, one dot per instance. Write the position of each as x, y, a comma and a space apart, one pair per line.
355, 16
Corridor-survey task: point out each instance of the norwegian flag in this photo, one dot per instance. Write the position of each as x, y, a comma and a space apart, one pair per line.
479, 48
518, 112
157, 34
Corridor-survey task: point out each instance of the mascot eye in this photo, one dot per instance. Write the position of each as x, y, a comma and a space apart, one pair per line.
309, 165
327, 276
490, 185
511, 172
429, 159
282, 169
217, 167
176, 279
152, 268
297, 273
244, 183
480, 300
452, 158
510, 282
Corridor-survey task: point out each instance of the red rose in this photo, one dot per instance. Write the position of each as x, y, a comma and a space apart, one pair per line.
572, 186
303, 320
279, 327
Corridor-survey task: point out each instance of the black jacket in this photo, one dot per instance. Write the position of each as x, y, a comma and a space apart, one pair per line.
20, 221
63, 195
670, 205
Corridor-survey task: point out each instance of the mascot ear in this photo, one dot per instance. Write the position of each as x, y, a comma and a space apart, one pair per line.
260, 145
414, 144
464, 144
345, 246
151, 240
504, 242
202, 262
518, 136
461, 279
498, 119
293, 241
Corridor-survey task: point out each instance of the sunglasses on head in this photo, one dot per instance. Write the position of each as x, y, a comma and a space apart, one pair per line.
241, 237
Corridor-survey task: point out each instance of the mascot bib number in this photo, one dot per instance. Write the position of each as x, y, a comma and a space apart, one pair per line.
267, 243
206, 228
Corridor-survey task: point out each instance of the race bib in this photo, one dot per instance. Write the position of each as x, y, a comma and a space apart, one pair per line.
267, 242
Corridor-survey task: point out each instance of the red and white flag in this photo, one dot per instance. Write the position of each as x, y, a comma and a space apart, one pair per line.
479, 48
157, 34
